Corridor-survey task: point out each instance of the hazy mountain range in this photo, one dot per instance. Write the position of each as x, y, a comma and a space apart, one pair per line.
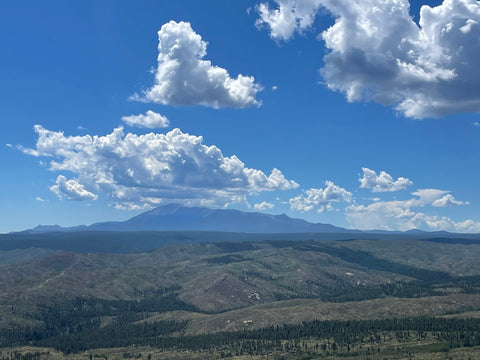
173, 217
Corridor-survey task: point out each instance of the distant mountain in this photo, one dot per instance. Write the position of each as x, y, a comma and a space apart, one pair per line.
53, 228
177, 217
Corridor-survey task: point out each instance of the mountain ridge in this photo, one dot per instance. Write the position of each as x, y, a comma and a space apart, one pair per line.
176, 217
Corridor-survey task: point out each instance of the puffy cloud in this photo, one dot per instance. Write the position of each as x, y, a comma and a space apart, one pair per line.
402, 215
183, 78
290, 17
72, 189
146, 169
468, 226
263, 206
447, 224
376, 52
150, 120
321, 198
429, 196
132, 206
384, 215
447, 200
382, 182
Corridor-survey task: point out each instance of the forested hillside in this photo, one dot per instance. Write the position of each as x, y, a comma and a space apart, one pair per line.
174, 298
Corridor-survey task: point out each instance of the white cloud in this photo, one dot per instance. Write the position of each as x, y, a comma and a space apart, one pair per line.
429, 196
321, 199
447, 200
384, 215
468, 226
132, 206
263, 206
183, 78
382, 182
402, 215
447, 224
376, 52
150, 120
290, 17
38, 198
72, 189
146, 169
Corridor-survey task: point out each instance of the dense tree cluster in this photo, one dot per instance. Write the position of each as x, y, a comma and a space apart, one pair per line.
80, 320
326, 336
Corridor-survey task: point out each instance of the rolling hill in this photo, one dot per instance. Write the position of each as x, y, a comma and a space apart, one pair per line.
176, 275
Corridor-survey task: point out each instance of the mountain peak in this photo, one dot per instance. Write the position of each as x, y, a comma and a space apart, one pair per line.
178, 217
165, 209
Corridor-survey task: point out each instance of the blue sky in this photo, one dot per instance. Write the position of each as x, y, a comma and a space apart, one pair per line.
368, 123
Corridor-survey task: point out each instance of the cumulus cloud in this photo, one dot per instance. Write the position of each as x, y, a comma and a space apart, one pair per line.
468, 226
376, 52
290, 17
183, 78
429, 196
321, 199
72, 189
130, 206
150, 120
382, 182
263, 206
384, 215
403, 214
147, 169
447, 200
